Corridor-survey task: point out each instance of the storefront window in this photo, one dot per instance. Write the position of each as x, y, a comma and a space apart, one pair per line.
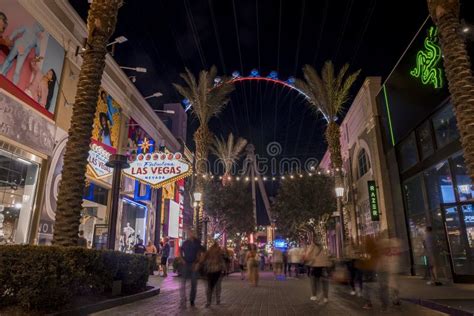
464, 183
407, 153
18, 181
133, 225
94, 211
425, 140
444, 123
439, 185
414, 195
364, 164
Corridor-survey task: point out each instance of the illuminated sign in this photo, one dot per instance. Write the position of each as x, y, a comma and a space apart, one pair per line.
280, 243
373, 201
158, 169
428, 68
98, 158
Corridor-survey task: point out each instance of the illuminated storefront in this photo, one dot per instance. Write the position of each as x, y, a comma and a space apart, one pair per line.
427, 171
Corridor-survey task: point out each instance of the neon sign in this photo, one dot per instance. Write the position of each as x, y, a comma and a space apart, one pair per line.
427, 68
373, 201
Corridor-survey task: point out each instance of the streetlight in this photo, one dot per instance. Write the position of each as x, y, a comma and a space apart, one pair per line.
118, 40
197, 196
137, 69
339, 194
154, 95
165, 111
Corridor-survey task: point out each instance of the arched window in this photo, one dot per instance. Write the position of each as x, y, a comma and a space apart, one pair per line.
363, 162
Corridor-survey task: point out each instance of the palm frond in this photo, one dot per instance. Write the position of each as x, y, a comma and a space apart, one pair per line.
227, 151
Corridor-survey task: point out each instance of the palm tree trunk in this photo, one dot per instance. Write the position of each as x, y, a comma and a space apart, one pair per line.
333, 138
458, 72
202, 139
101, 24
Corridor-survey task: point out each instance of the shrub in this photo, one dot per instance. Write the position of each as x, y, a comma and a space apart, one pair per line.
47, 277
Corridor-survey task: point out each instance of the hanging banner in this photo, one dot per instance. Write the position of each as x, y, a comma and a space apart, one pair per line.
373, 201
158, 169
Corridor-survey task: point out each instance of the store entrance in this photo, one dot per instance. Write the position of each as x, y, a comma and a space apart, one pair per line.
459, 229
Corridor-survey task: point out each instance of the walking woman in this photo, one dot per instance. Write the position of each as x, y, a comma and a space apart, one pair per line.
214, 265
318, 262
252, 265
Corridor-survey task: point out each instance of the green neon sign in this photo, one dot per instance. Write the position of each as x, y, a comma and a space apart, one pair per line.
390, 127
373, 201
428, 68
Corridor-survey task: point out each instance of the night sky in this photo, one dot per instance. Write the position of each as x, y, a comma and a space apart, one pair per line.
165, 36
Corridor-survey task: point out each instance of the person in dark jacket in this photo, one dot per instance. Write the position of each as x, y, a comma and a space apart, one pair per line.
139, 247
190, 251
165, 253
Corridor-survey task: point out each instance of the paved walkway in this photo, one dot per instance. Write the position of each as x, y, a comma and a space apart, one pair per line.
271, 297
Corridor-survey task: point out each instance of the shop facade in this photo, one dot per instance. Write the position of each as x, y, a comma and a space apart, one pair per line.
34, 125
427, 172
364, 167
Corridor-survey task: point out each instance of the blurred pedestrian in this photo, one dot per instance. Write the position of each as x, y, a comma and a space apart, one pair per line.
139, 248
81, 241
352, 253
387, 269
317, 259
252, 265
285, 262
150, 248
277, 262
151, 252
262, 261
214, 265
295, 259
430, 251
242, 258
190, 251
165, 253
368, 267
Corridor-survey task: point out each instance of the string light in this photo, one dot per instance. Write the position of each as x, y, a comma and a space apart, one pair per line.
238, 178
273, 179
264, 178
283, 177
301, 176
229, 178
220, 177
255, 178
247, 179
291, 176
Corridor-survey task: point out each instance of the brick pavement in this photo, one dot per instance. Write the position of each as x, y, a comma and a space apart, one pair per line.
271, 297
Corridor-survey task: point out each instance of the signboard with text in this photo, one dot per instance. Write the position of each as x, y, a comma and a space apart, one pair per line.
98, 157
158, 169
373, 201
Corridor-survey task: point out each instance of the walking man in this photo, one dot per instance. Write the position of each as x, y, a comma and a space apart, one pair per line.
165, 253
190, 252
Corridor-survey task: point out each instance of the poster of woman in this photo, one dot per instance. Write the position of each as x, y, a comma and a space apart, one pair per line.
29, 56
107, 121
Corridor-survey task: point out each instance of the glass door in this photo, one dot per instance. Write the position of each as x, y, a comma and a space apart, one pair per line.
459, 225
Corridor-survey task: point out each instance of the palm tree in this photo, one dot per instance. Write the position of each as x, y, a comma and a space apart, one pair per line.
228, 152
207, 101
327, 94
445, 15
101, 22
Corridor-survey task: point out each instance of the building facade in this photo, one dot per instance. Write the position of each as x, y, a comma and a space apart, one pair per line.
427, 172
36, 99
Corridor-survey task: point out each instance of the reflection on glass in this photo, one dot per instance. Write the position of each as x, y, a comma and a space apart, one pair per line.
133, 227
18, 180
461, 249
425, 140
417, 225
444, 124
464, 184
414, 195
439, 185
407, 153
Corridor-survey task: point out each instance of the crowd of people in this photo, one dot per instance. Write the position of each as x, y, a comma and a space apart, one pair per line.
369, 268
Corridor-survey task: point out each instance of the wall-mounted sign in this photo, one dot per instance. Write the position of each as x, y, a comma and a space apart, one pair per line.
373, 201
158, 169
428, 61
24, 125
98, 158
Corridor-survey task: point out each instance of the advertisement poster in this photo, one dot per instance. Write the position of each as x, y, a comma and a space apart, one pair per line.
105, 135
29, 56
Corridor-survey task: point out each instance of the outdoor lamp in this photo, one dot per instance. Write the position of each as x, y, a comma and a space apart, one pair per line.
197, 196
339, 191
